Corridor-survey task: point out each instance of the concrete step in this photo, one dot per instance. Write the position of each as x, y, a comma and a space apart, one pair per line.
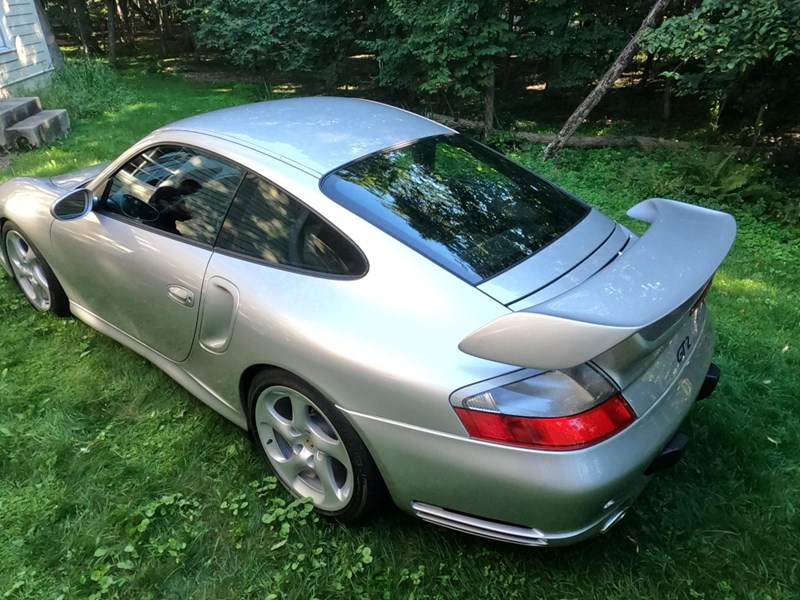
14, 110
39, 129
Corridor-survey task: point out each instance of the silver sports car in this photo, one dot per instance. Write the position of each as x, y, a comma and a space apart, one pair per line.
390, 307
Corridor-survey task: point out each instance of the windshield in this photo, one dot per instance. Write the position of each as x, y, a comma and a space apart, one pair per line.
457, 202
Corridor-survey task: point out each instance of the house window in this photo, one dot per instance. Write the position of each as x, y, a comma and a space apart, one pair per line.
5, 44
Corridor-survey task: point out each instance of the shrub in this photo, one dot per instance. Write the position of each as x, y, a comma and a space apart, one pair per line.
86, 87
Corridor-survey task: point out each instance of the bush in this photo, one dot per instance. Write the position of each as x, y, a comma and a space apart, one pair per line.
86, 87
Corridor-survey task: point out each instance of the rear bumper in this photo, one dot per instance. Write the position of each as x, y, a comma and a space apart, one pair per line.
710, 383
529, 496
676, 447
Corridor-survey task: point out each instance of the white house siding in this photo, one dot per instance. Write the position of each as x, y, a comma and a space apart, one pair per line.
25, 56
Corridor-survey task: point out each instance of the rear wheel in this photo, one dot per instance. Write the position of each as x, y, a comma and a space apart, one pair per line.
311, 447
32, 273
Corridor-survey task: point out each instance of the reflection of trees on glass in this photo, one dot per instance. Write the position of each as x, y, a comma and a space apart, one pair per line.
487, 212
266, 223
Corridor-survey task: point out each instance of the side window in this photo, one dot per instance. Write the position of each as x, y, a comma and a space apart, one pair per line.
175, 189
267, 224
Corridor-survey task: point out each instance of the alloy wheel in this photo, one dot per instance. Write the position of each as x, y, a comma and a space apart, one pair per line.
303, 447
28, 270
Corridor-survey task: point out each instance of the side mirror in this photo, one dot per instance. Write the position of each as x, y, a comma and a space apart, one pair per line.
74, 205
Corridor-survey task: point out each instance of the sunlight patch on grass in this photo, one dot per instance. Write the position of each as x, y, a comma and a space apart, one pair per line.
742, 285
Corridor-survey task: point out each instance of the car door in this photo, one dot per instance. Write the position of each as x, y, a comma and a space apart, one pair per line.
138, 261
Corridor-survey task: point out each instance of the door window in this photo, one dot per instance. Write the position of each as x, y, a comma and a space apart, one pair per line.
267, 224
174, 189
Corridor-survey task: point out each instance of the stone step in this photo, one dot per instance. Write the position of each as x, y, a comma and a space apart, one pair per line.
39, 129
14, 110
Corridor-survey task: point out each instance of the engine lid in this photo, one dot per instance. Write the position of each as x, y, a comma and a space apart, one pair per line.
654, 276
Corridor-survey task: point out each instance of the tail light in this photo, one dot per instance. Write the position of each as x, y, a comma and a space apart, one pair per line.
555, 410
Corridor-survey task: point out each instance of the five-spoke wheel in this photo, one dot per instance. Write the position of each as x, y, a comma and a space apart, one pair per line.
32, 273
311, 447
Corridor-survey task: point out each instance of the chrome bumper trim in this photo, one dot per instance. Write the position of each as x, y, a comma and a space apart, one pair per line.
514, 534
481, 527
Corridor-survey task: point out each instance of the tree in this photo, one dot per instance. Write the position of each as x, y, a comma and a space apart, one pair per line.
749, 49
571, 42
289, 35
441, 47
605, 82
50, 39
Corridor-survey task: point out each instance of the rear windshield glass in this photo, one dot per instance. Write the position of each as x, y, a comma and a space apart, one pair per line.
460, 204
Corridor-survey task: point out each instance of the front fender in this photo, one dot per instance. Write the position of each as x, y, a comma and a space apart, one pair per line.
26, 201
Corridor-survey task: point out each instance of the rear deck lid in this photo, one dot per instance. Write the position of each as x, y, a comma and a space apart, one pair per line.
654, 277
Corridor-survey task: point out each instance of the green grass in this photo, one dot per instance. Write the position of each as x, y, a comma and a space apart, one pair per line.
117, 483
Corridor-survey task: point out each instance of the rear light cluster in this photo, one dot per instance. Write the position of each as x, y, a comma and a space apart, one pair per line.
555, 410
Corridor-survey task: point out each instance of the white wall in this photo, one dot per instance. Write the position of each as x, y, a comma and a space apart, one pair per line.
23, 51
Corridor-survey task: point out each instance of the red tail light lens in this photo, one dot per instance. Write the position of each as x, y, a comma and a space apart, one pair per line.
551, 433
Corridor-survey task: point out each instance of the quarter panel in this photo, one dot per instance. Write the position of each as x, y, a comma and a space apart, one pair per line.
385, 344
556, 492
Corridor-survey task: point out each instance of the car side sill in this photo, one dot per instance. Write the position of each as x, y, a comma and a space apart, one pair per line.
170, 368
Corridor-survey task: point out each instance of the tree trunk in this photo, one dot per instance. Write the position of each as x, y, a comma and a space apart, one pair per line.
162, 40
126, 23
667, 111
143, 13
594, 141
553, 75
647, 70
112, 32
605, 82
84, 26
488, 118
56, 58
757, 126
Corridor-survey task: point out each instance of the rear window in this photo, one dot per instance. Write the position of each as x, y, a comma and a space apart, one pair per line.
462, 205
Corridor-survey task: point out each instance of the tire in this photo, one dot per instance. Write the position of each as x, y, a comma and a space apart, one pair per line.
312, 448
32, 274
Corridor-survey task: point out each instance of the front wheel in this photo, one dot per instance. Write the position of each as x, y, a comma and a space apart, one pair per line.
312, 448
32, 273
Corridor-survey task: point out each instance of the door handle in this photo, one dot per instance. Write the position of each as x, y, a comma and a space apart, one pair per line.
181, 295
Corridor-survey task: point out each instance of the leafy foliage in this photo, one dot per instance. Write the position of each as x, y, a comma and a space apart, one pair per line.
750, 48
577, 40
86, 87
433, 46
291, 35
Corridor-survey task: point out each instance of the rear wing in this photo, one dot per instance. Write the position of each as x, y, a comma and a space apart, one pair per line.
655, 275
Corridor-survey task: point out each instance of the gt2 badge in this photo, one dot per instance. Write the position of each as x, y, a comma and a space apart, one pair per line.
686, 344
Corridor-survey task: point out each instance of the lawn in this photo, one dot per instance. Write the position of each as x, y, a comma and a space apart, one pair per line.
117, 483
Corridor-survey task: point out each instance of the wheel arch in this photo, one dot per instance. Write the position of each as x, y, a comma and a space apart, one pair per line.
3, 260
246, 379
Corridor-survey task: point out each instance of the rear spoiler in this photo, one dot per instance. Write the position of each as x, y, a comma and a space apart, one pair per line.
654, 276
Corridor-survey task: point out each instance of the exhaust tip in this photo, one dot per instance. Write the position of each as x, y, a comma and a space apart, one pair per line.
613, 520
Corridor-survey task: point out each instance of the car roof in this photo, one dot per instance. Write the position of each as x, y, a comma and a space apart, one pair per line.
316, 134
